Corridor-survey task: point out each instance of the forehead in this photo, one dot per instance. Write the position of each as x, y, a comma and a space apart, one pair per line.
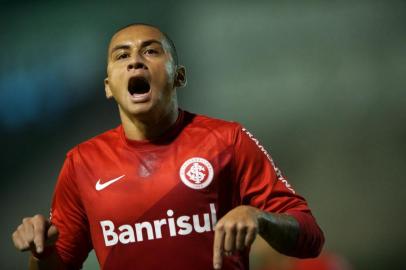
135, 35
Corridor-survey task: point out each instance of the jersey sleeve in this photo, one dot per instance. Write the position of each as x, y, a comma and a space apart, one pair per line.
68, 215
263, 185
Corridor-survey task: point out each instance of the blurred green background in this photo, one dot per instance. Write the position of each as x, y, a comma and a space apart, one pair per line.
322, 84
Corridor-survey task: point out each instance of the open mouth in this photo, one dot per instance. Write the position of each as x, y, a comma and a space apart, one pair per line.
138, 86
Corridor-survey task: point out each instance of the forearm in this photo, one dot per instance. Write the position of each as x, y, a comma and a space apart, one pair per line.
281, 231
294, 234
47, 261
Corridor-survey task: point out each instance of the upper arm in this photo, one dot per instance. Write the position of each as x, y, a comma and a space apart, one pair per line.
69, 216
261, 183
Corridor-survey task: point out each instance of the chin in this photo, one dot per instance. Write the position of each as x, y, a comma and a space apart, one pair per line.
139, 109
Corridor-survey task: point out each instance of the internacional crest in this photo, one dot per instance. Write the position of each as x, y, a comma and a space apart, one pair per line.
196, 173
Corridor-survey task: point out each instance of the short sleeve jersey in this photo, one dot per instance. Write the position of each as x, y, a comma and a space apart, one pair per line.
154, 204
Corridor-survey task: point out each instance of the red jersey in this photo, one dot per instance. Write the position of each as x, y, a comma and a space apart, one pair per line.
154, 204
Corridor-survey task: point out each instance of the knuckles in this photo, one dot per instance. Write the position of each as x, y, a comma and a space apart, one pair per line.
14, 236
25, 220
21, 236
38, 217
237, 226
242, 226
219, 227
230, 226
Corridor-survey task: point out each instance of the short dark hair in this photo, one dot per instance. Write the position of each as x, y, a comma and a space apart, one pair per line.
172, 46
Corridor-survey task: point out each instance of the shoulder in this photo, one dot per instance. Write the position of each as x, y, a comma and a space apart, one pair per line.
222, 129
95, 144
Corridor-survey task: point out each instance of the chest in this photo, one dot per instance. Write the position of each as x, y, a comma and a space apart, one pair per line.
128, 185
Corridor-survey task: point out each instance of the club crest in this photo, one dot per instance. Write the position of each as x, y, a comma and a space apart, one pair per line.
196, 173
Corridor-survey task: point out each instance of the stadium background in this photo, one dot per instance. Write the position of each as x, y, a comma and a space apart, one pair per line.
320, 83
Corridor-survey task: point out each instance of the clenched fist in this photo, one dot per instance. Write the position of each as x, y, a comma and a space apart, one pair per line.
34, 233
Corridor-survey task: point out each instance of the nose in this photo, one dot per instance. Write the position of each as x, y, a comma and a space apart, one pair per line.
137, 63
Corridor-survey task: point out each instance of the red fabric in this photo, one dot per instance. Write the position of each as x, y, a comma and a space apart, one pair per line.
69, 216
264, 186
311, 237
160, 185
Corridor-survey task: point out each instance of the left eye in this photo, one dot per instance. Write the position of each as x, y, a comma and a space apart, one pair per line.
151, 51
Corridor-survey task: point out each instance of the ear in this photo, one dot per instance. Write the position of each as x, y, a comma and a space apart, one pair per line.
109, 94
180, 79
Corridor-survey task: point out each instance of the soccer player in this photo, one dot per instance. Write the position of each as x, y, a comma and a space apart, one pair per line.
167, 189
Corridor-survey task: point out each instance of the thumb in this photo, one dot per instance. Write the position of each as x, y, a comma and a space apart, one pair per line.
52, 235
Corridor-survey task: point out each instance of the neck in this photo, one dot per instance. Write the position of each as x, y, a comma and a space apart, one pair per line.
149, 127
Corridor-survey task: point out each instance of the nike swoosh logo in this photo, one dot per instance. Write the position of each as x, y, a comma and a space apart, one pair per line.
108, 183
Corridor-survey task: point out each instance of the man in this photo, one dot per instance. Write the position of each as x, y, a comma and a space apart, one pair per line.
167, 188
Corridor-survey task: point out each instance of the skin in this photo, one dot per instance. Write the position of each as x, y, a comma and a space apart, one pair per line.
143, 51
238, 229
35, 234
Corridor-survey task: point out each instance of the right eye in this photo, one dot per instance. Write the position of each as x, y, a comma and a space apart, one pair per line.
122, 56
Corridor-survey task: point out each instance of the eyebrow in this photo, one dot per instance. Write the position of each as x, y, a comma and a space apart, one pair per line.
143, 44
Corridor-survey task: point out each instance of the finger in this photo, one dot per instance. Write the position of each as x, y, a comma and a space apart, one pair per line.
52, 235
250, 236
229, 240
16, 240
240, 238
26, 231
19, 242
218, 247
39, 235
